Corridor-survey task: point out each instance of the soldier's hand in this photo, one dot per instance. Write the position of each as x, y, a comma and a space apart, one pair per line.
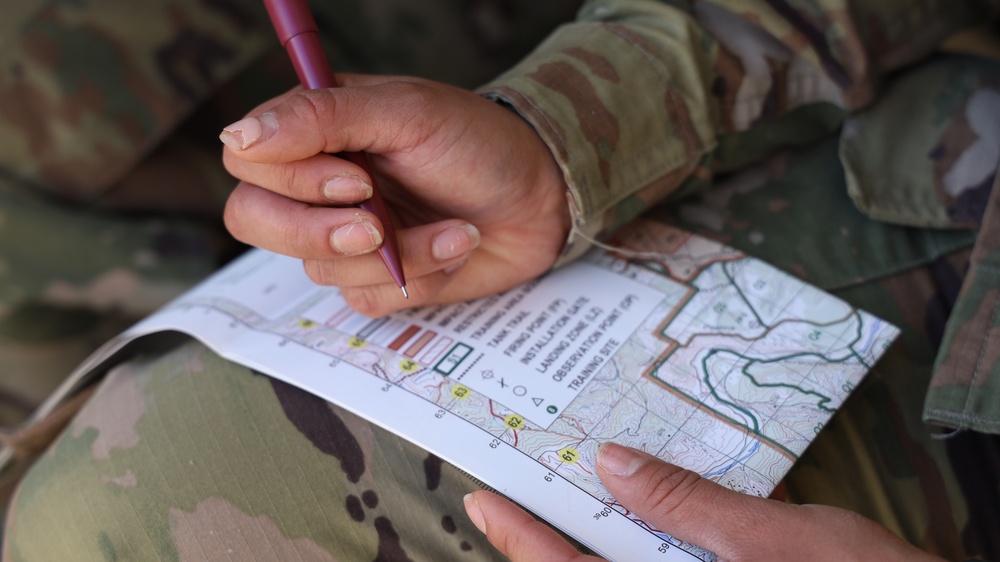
480, 202
733, 525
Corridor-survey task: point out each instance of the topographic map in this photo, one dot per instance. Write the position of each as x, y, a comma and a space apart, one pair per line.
695, 353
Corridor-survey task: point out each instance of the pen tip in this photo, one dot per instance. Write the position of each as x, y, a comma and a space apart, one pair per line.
405, 295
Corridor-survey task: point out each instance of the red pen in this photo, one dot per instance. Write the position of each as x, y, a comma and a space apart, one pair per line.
297, 31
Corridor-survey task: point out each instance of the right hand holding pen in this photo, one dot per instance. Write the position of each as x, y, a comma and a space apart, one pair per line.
480, 201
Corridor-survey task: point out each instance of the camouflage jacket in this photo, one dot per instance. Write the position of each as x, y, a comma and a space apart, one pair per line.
678, 92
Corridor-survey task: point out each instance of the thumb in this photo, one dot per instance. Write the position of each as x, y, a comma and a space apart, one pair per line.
679, 501
737, 526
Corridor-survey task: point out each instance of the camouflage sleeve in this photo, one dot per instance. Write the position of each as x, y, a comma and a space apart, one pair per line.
637, 96
963, 392
88, 89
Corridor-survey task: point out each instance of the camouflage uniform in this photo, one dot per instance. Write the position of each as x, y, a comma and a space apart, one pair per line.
755, 118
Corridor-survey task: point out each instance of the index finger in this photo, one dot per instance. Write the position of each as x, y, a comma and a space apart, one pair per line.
517, 534
370, 114
346, 80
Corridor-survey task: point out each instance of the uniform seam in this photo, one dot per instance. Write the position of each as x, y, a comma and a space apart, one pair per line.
979, 362
950, 415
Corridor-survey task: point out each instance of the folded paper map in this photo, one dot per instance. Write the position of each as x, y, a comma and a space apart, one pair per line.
696, 353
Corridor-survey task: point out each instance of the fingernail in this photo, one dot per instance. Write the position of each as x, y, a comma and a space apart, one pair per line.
347, 188
474, 512
618, 460
456, 241
358, 237
249, 131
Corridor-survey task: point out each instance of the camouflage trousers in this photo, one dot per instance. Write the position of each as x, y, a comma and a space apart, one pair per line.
185, 456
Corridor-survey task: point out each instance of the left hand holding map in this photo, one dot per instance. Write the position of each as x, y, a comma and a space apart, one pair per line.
733, 525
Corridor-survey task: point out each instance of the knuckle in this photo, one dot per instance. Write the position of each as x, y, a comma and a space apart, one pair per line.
849, 521
413, 102
318, 272
297, 238
231, 215
312, 105
669, 491
414, 92
294, 182
364, 301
